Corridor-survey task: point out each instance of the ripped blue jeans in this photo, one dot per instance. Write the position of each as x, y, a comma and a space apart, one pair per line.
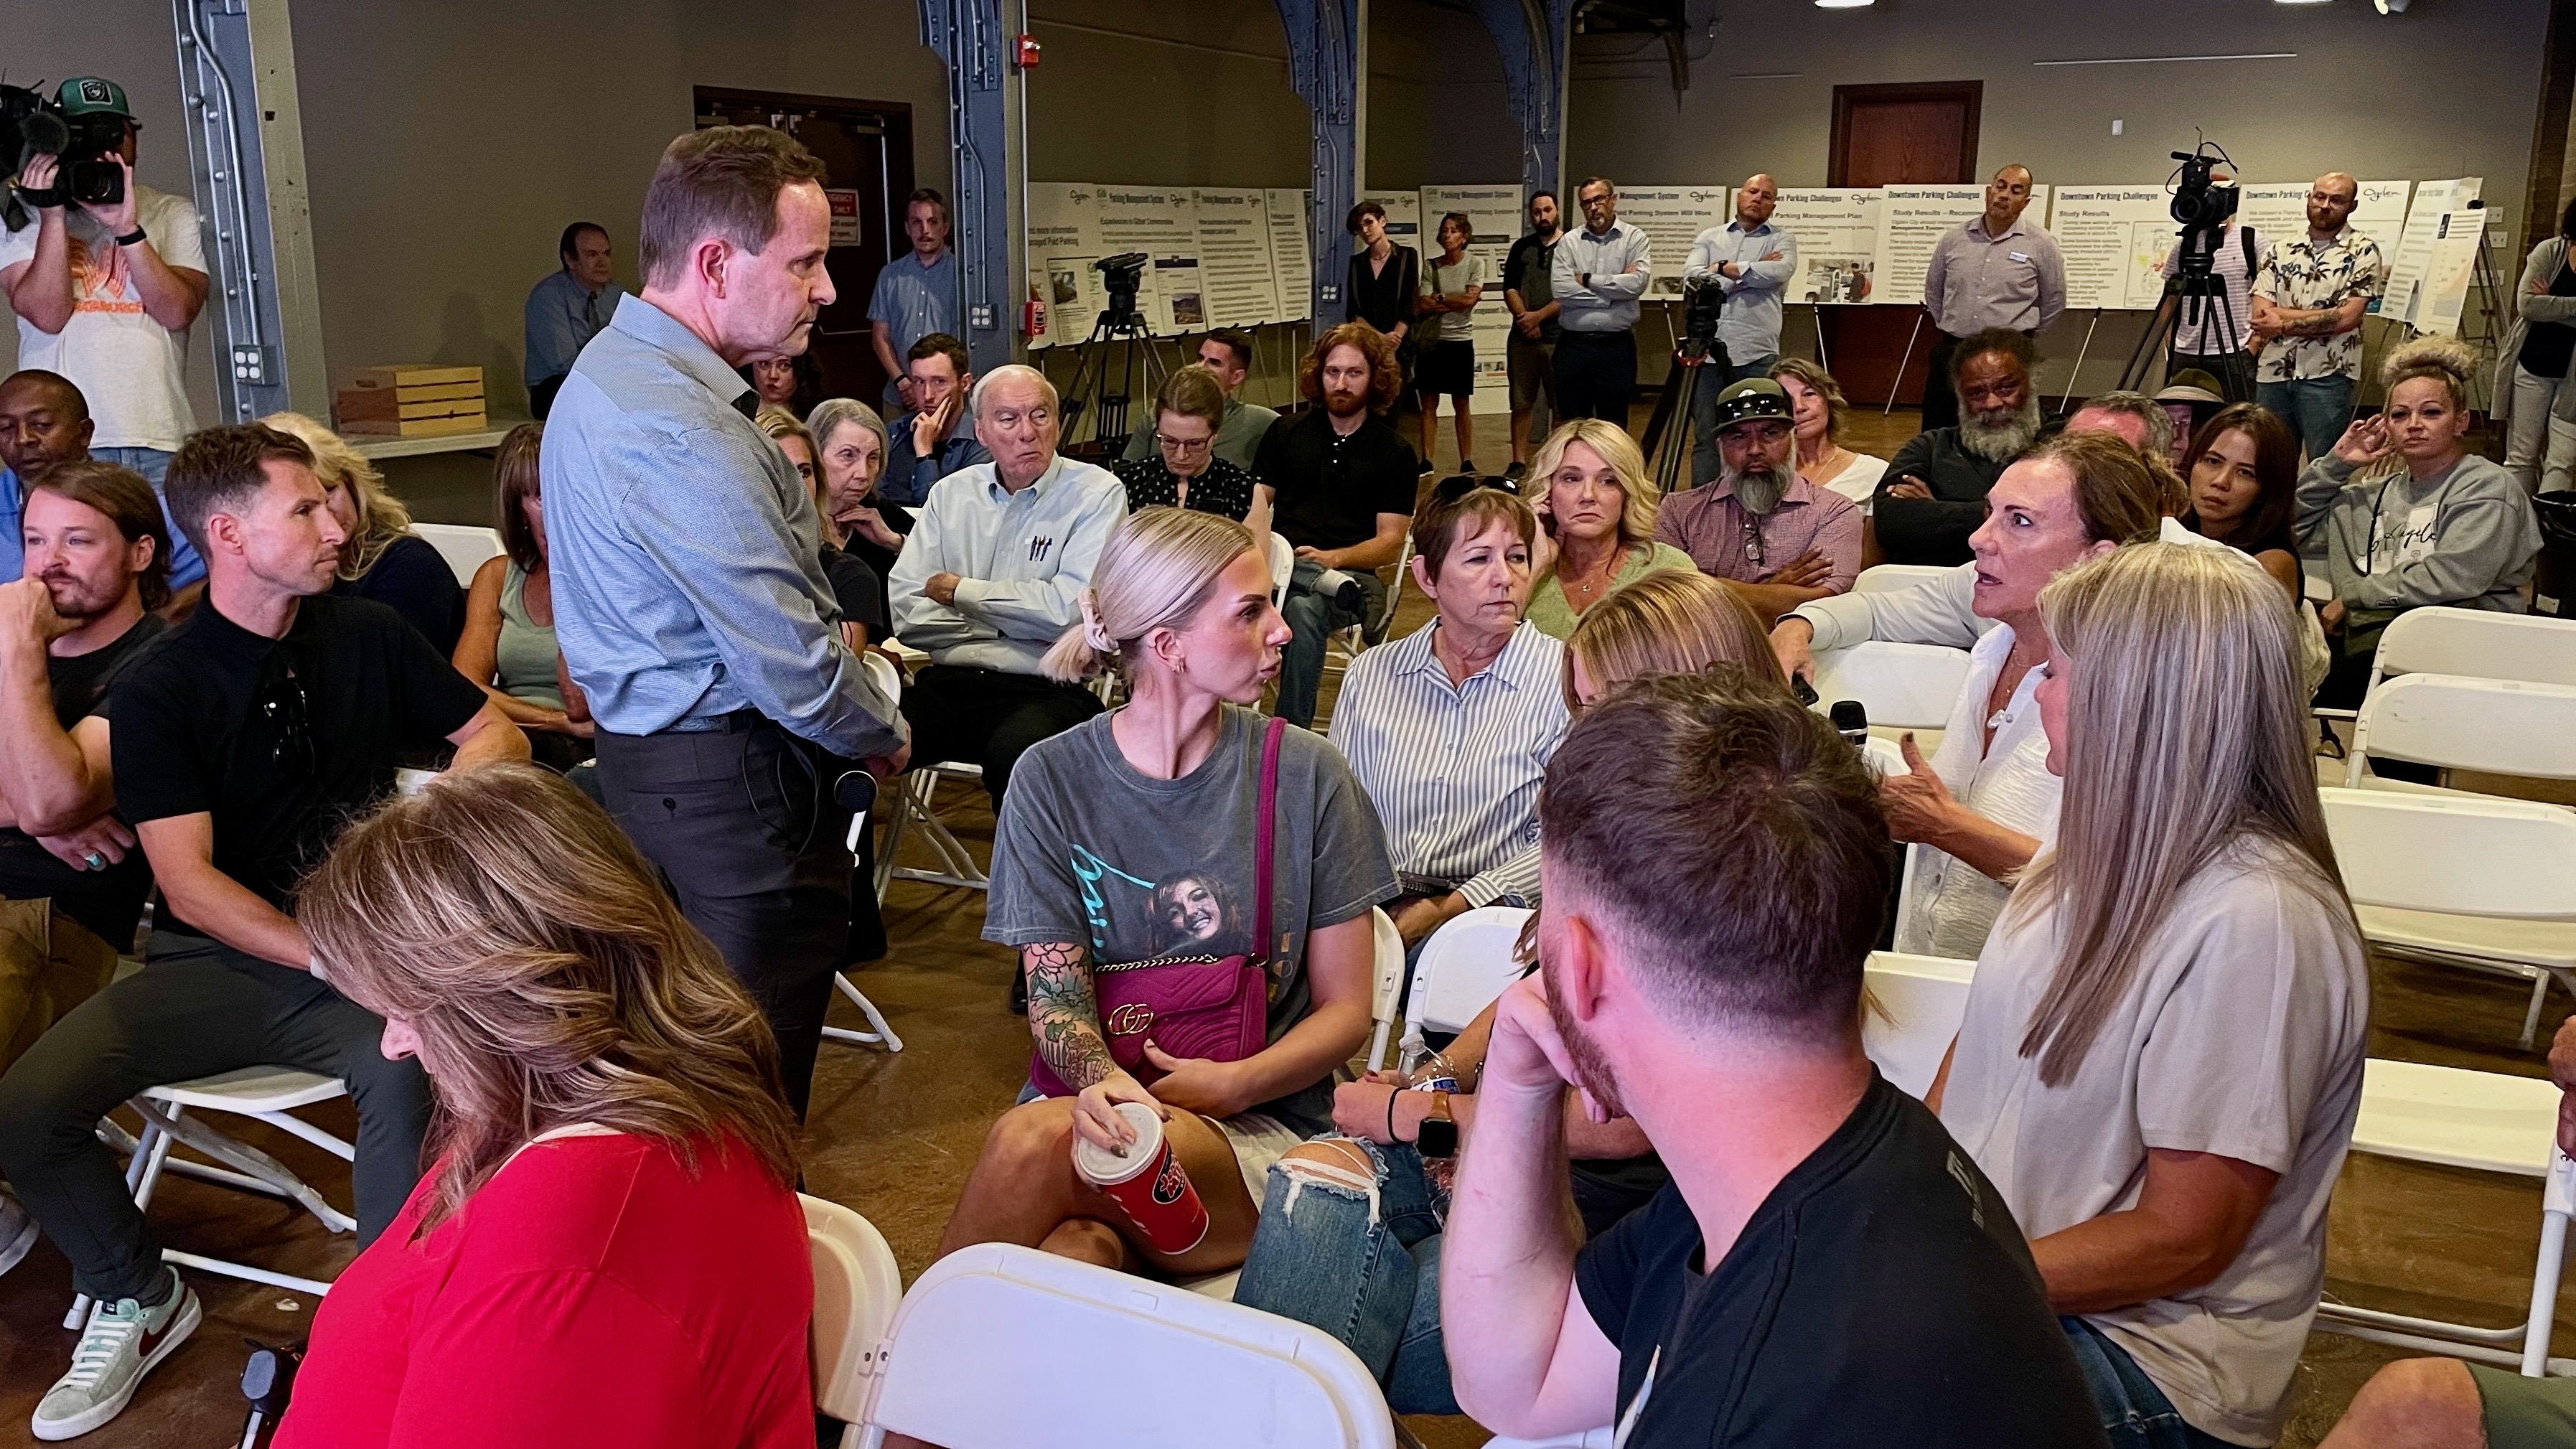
1360, 1261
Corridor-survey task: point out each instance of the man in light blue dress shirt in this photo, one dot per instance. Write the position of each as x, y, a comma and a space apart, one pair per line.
690, 598
568, 309
1751, 263
1600, 270
916, 295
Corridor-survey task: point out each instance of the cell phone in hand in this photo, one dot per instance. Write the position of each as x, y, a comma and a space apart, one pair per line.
1805, 692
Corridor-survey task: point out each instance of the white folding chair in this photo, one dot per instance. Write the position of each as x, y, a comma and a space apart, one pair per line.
1920, 1002
911, 804
1346, 644
1389, 987
1188, 1370
2465, 880
1896, 578
1460, 970
2487, 1122
1283, 564
268, 1093
1903, 686
856, 1290
2477, 644
889, 682
2499, 726
463, 546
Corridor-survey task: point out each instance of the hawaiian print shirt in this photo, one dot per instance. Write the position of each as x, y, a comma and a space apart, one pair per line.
2299, 273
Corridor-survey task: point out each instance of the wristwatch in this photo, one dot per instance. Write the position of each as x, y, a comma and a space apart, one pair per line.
1436, 1136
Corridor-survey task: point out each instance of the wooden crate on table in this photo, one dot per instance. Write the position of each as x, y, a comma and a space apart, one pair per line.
415, 400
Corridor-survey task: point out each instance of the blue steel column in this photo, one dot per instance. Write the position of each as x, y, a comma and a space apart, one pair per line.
1327, 46
969, 37
1533, 37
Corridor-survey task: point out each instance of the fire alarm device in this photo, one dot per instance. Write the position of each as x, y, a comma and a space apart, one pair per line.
1024, 52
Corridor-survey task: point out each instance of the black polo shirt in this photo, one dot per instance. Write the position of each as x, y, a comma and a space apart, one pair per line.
1529, 269
1934, 530
108, 901
1881, 1295
282, 741
1329, 489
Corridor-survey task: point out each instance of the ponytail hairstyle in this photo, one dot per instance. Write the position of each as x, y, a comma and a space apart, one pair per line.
1155, 572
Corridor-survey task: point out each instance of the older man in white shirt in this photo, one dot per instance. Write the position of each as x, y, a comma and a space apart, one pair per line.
991, 574
1985, 803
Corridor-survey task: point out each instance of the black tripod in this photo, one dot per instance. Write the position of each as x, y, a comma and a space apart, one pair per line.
2195, 307
1123, 329
1694, 364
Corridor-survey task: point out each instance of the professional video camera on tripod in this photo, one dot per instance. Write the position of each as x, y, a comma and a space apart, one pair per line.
1697, 364
2196, 317
1122, 324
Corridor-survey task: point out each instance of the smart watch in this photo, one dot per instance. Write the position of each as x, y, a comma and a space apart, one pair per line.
1437, 1134
131, 237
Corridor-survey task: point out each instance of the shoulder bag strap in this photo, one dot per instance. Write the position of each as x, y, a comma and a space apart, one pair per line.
1264, 837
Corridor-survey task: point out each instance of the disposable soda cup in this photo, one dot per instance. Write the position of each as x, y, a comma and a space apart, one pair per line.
1148, 1184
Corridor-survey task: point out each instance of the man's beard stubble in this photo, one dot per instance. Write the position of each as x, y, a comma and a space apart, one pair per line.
2001, 443
1343, 404
1591, 1069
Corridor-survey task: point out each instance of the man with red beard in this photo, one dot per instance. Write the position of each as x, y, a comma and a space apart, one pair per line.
1827, 1266
1345, 490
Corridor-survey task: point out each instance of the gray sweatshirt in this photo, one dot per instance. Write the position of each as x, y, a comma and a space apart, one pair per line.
2466, 538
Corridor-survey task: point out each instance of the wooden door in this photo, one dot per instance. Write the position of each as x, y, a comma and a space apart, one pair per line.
866, 149
1883, 136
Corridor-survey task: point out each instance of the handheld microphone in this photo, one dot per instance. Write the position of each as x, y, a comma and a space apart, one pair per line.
855, 791
1852, 718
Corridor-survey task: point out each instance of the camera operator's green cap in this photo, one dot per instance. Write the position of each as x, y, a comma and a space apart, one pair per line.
89, 95
1751, 399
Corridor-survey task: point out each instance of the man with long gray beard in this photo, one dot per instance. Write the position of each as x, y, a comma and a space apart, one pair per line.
1757, 527
1934, 493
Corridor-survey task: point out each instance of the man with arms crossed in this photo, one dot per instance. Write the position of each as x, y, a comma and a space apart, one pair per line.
1530, 351
238, 749
1827, 1266
690, 598
2309, 297
1751, 262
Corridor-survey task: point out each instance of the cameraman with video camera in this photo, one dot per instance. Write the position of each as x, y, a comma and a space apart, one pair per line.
106, 280
2213, 264
1747, 263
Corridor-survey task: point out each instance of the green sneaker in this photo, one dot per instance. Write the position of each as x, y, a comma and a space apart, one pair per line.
122, 1343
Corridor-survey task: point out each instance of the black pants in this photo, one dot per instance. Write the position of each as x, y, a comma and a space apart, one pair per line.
987, 717
198, 1008
743, 824
1940, 399
1596, 375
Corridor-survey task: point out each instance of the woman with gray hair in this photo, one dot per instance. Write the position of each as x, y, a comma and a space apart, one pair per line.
851, 447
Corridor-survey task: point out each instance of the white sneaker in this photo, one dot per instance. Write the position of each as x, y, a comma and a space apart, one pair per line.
123, 1342
17, 1229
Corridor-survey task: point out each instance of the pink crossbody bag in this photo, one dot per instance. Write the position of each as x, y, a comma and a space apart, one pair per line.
1214, 1007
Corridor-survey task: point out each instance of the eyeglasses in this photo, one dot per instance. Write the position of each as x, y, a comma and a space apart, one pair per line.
1183, 445
283, 704
1450, 490
1753, 540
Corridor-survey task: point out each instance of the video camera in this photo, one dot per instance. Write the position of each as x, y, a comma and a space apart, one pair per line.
88, 144
1703, 301
1121, 276
2201, 204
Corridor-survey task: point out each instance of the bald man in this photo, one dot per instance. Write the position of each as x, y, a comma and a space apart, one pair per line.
44, 421
1999, 270
1750, 262
2309, 297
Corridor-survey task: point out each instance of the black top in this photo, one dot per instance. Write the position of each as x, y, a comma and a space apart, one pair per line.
109, 901
1881, 1295
1223, 488
1382, 297
283, 741
411, 577
1329, 489
1528, 270
1935, 530
2548, 346
859, 589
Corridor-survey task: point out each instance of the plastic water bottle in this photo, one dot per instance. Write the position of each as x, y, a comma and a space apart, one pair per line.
1431, 1072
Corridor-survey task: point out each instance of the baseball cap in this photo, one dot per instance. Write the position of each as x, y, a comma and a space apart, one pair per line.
89, 95
1750, 399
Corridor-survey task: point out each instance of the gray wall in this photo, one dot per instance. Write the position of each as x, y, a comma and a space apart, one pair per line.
1164, 93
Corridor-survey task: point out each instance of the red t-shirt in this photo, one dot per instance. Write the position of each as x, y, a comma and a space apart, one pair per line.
591, 1293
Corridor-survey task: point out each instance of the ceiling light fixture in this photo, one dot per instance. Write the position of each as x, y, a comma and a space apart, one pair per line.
1844, 4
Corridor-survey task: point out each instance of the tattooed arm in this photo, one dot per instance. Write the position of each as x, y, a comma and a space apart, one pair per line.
1064, 1022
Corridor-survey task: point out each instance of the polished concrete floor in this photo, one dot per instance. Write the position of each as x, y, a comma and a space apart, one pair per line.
894, 1134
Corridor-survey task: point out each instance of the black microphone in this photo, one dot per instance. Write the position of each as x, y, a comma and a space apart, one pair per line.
268, 1381
856, 791
1850, 717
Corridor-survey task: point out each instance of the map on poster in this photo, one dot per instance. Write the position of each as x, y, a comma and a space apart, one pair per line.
1495, 214
1837, 232
1234, 257
1672, 217
2114, 239
1912, 221
1064, 240
2278, 210
2407, 264
1290, 262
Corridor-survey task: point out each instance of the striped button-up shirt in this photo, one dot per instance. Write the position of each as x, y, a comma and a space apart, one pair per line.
1022, 561
687, 554
1454, 770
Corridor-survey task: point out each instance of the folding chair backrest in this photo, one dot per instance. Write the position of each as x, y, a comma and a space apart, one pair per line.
2501, 726
1895, 578
2470, 855
1388, 989
1462, 968
1909, 686
2478, 644
1920, 1002
1095, 1357
464, 547
856, 1290
1283, 562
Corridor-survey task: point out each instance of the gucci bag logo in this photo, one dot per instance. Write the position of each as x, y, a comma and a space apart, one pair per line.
1130, 1020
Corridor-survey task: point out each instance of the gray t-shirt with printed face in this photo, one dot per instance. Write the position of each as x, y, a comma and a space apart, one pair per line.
1090, 850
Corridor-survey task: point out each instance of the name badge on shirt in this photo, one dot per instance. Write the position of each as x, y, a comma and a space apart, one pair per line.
2018, 256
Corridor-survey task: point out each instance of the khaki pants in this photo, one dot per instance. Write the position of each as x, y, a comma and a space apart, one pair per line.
49, 963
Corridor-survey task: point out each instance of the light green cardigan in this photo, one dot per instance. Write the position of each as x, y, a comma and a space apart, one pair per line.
1556, 618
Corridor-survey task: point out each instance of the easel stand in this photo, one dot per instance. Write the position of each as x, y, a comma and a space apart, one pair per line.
1898, 385
2075, 379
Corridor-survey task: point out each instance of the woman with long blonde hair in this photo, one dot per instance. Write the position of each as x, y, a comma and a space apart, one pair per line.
383, 559
1098, 821
2162, 1052
607, 1246
1596, 509
1669, 623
